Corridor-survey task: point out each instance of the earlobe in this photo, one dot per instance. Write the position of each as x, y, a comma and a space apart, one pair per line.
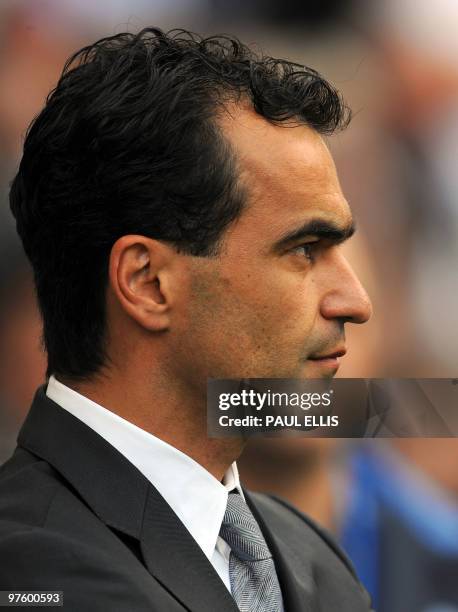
138, 278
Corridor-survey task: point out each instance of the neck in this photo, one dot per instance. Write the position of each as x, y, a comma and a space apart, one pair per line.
165, 412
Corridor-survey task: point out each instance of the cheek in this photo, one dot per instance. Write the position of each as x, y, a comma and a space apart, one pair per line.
278, 318
289, 299
251, 324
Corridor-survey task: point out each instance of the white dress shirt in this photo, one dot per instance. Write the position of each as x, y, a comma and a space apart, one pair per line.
197, 498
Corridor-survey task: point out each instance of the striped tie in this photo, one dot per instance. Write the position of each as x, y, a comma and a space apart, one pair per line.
254, 581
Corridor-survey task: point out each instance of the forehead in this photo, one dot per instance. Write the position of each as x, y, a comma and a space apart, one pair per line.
287, 173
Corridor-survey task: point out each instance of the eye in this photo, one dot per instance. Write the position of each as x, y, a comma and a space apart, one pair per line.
306, 250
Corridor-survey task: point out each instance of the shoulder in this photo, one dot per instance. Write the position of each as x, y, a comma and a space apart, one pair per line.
27, 488
51, 540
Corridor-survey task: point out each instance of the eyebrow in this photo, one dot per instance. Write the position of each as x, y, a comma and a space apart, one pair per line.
320, 229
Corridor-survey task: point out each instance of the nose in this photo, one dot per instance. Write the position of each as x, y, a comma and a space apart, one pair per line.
345, 298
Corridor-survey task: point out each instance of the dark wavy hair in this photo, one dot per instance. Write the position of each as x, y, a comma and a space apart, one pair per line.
128, 143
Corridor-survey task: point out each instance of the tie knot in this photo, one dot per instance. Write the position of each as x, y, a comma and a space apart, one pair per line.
241, 531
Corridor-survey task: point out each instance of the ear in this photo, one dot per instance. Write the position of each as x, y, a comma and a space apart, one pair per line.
139, 274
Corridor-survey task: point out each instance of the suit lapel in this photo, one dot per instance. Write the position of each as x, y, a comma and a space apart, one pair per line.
125, 500
294, 567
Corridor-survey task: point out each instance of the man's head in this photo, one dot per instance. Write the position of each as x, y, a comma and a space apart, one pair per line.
178, 203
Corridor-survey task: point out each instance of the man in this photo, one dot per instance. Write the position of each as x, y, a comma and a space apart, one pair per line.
183, 218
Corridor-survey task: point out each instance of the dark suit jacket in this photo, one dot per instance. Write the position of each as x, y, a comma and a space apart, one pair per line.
76, 516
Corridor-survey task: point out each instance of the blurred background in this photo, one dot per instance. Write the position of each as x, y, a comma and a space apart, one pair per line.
392, 504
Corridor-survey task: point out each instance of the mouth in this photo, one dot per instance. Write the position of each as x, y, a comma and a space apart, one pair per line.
329, 360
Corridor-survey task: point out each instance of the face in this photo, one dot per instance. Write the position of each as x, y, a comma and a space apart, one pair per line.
275, 301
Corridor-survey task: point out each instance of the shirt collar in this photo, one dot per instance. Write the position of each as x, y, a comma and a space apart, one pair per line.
196, 496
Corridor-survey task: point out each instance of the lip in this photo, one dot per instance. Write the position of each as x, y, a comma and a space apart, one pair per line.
329, 362
330, 356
